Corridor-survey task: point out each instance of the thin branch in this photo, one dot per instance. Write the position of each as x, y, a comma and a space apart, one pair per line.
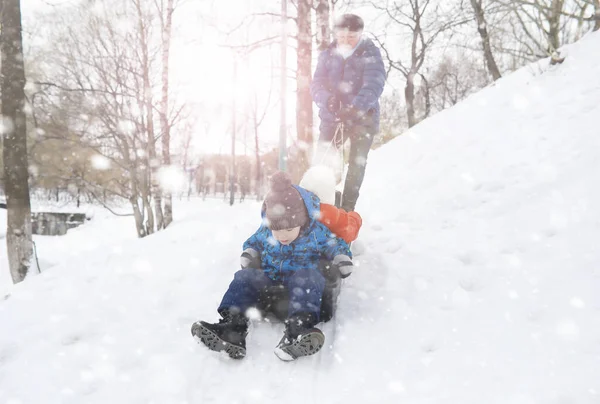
267, 14
106, 206
82, 89
391, 63
250, 47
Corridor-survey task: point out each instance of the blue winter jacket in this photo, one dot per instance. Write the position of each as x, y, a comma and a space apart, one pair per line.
314, 242
357, 81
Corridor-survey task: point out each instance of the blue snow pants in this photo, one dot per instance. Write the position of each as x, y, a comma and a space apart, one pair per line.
305, 288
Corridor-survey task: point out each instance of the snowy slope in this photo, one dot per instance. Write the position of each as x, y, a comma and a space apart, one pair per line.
477, 278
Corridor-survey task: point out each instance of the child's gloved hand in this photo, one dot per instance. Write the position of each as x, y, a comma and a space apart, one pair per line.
250, 258
344, 265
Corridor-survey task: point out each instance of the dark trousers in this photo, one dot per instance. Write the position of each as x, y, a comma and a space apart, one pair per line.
305, 289
361, 139
333, 285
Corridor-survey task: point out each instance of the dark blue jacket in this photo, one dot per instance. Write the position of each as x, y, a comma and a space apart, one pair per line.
357, 81
314, 242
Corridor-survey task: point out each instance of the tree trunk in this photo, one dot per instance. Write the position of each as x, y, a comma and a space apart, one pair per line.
146, 195
427, 96
16, 176
151, 186
283, 90
153, 162
409, 94
580, 23
304, 112
258, 168
164, 106
597, 15
332, 4
138, 216
554, 15
186, 168
148, 208
490, 62
323, 27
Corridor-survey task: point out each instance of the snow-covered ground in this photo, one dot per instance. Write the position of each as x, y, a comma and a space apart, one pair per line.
477, 279
98, 233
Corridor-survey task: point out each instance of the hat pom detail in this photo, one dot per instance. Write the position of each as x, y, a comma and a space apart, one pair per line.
280, 181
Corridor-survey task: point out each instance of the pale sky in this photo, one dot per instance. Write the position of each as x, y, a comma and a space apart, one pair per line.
201, 69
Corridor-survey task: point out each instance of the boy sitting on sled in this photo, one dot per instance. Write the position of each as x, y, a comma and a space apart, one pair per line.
285, 250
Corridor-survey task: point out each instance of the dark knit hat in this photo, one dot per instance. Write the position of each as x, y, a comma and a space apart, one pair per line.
351, 22
285, 208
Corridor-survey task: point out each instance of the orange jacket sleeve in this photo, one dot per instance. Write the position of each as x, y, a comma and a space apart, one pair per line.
344, 224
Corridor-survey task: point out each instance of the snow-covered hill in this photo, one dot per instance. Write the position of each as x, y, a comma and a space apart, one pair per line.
477, 280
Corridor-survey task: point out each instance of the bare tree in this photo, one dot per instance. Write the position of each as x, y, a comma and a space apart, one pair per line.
257, 120
488, 56
453, 79
150, 173
18, 234
323, 26
232, 170
333, 4
425, 21
303, 71
596, 16
166, 18
304, 108
115, 118
553, 15
543, 26
393, 121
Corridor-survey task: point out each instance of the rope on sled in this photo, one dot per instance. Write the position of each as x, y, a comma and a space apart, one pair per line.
338, 139
339, 134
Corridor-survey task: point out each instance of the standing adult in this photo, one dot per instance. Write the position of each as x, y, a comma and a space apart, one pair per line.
346, 87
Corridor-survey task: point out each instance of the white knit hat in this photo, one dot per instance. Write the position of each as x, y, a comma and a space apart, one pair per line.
320, 180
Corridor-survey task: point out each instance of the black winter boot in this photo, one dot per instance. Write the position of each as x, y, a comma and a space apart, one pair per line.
228, 335
300, 338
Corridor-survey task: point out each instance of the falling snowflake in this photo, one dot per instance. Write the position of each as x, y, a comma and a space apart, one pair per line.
6, 125
577, 303
172, 179
100, 162
253, 314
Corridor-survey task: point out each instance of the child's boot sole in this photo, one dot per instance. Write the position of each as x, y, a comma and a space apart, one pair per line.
215, 343
305, 345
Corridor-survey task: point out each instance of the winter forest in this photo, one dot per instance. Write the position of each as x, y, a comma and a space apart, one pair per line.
108, 118
139, 139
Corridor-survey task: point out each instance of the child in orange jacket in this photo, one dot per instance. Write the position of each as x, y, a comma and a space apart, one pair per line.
320, 180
